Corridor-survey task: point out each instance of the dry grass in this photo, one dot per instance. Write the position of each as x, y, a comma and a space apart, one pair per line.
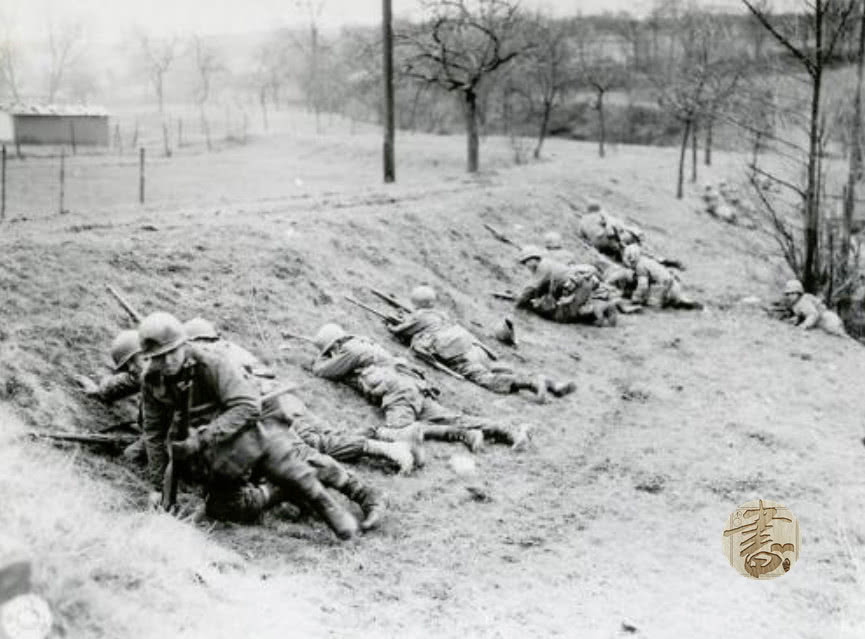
614, 516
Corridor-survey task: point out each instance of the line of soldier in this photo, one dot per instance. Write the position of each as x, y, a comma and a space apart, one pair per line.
252, 454
254, 448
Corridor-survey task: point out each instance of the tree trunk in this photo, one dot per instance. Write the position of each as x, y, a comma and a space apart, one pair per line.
603, 136
542, 133
812, 262
685, 134
471, 110
205, 128
387, 65
707, 152
694, 152
262, 99
854, 172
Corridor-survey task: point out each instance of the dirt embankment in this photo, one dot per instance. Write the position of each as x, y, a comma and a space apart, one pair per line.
613, 520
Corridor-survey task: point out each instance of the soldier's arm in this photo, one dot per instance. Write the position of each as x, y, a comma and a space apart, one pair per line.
156, 420
116, 387
238, 394
406, 329
337, 365
641, 294
533, 290
811, 313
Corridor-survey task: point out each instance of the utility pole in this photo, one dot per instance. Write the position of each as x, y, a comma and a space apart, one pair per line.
387, 33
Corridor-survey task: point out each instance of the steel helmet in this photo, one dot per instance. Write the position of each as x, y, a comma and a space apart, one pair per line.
593, 206
553, 240
423, 296
124, 347
530, 252
200, 328
505, 332
794, 286
632, 253
160, 333
327, 335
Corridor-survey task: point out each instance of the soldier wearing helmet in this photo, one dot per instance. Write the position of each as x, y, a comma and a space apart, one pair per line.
123, 383
652, 274
232, 434
809, 312
309, 427
549, 274
411, 412
433, 334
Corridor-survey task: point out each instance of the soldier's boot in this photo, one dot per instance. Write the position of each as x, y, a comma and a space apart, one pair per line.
538, 386
338, 518
517, 436
371, 500
560, 389
473, 438
400, 453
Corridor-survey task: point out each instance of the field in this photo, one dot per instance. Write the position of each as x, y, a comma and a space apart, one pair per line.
610, 525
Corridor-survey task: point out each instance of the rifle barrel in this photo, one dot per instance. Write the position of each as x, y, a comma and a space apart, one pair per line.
135, 315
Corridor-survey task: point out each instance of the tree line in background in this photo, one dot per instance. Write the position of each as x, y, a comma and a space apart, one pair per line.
782, 86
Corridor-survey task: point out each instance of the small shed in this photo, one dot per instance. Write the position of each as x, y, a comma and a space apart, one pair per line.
33, 124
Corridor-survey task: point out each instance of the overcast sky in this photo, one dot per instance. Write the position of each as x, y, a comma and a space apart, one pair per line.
109, 20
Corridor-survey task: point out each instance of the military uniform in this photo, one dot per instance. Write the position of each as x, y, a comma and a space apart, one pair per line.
402, 392
236, 438
541, 294
810, 312
650, 272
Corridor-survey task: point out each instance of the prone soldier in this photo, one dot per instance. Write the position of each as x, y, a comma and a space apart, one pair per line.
809, 312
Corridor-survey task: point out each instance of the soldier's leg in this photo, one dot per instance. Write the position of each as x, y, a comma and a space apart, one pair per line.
673, 297
350, 448
136, 452
285, 464
401, 426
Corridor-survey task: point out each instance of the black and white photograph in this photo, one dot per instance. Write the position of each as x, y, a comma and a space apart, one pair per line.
461, 319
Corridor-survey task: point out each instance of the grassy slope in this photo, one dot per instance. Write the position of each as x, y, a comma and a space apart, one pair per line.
706, 410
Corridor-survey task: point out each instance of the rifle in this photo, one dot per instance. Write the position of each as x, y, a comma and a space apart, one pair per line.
390, 299
501, 237
390, 319
135, 315
432, 361
302, 338
505, 296
86, 438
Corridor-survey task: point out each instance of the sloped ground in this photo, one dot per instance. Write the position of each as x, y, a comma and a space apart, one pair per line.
612, 521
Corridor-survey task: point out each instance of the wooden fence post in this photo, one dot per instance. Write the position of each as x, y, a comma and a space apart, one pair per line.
141, 176
62, 177
179, 132
72, 136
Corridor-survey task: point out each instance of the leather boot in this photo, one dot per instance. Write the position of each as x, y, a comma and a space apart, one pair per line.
370, 500
517, 436
400, 453
340, 520
473, 438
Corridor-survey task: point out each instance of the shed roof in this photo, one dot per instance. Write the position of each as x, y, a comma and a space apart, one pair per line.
20, 108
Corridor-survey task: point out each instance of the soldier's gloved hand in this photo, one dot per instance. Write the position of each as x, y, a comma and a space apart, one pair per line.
87, 384
187, 447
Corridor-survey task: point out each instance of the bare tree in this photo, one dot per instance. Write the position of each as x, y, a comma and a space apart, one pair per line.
66, 45
312, 50
158, 57
546, 72
827, 21
601, 72
271, 68
9, 59
208, 64
461, 46
703, 78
